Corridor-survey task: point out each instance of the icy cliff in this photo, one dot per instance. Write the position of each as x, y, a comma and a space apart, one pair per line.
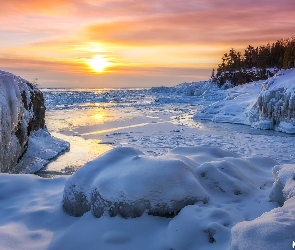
22, 112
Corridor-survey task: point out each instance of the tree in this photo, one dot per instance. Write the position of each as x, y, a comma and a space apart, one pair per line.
250, 57
213, 73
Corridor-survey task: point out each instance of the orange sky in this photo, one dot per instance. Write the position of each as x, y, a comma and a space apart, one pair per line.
135, 43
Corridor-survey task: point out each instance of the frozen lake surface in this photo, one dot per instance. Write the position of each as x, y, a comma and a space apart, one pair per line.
94, 121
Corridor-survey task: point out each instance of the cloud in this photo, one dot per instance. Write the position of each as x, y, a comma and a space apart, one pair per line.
211, 26
144, 38
27, 7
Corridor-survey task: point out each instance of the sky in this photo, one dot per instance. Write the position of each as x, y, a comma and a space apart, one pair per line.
132, 43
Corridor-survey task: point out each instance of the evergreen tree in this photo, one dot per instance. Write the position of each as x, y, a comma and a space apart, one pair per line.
280, 54
213, 73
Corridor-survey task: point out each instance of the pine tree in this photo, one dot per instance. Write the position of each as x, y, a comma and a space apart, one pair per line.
213, 73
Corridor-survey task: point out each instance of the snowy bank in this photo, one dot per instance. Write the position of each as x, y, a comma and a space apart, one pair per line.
230, 105
266, 104
22, 113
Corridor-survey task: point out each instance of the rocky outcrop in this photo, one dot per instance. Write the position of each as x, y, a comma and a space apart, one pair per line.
234, 78
22, 111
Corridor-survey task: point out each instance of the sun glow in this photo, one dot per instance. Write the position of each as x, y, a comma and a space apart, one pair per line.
98, 63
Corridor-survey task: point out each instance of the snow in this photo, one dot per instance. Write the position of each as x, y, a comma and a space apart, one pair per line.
246, 175
274, 229
42, 148
160, 186
234, 107
32, 216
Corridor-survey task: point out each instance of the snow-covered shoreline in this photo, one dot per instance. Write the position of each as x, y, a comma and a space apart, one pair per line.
263, 105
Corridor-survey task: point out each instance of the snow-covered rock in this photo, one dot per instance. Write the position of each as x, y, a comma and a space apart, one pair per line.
126, 182
22, 111
275, 107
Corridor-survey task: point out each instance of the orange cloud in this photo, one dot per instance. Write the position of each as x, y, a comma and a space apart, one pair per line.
27, 7
167, 38
205, 27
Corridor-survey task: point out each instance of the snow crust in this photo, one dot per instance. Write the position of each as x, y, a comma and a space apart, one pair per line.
125, 182
233, 107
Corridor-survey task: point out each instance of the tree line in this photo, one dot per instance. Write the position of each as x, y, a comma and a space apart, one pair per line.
280, 54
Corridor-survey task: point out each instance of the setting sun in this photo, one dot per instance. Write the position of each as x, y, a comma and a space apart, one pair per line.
98, 63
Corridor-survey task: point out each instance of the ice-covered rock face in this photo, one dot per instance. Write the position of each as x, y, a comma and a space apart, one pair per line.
126, 182
275, 105
22, 111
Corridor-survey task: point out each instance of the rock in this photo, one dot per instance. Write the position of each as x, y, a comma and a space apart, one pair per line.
22, 111
229, 79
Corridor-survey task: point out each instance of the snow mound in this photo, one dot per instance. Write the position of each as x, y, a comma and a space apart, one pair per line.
198, 228
126, 182
275, 107
274, 229
284, 185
